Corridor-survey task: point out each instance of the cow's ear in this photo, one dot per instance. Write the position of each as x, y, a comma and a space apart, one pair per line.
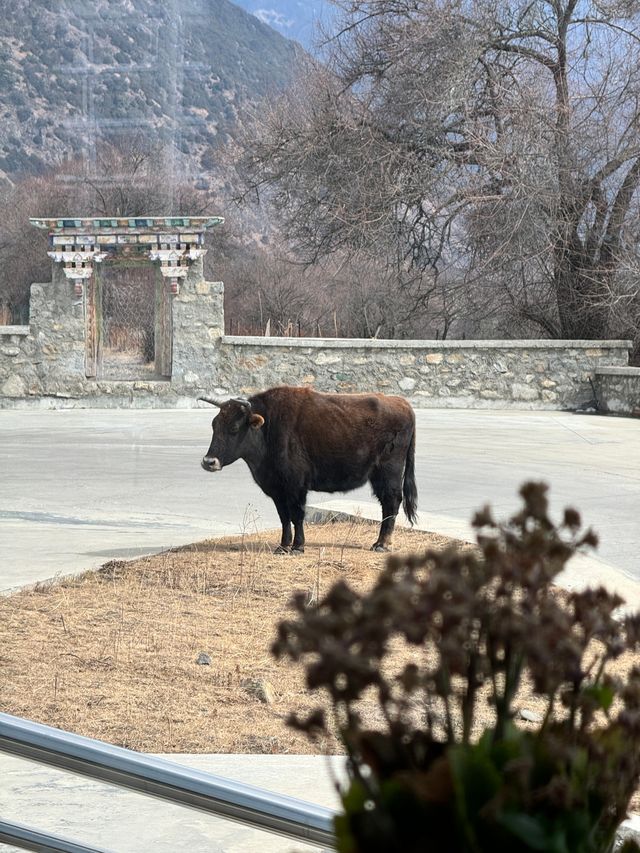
256, 421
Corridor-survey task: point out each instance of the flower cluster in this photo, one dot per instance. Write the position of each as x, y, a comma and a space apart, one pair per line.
443, 633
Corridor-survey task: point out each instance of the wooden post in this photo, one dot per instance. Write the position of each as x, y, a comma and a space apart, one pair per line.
91, 328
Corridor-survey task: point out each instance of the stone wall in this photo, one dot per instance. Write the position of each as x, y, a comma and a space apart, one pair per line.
17, 362
198, 325
44, 364
480, 374
618, 390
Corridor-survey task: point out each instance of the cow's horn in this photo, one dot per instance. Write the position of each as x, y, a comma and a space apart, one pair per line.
244, 403
213, 401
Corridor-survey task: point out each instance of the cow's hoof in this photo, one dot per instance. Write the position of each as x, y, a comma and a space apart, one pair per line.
298, 550
381, 548
282, 549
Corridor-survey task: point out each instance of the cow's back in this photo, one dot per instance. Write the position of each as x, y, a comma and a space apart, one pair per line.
331, 441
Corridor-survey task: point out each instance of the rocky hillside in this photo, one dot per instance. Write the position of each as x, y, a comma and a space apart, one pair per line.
72, 73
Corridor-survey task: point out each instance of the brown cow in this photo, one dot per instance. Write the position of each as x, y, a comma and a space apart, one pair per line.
295, 440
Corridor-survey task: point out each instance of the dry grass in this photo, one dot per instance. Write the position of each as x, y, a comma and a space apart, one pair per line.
112, 654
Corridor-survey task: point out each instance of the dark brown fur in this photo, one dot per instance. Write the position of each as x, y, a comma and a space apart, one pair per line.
295, 440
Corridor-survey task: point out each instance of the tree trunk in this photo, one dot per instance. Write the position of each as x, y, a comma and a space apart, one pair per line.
582, 306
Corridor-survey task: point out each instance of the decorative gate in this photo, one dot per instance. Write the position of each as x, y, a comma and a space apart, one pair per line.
126, 270
128, 323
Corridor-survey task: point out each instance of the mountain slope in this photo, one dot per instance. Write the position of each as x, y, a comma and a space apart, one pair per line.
73, 73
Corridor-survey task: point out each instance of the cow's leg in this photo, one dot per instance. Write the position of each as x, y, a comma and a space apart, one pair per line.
285, 519
297, 510
386, 483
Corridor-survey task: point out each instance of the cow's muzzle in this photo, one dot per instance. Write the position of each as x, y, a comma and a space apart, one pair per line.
211, 463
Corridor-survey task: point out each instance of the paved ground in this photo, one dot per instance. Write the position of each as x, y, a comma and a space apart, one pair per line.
80, 487
114, 819
118, 820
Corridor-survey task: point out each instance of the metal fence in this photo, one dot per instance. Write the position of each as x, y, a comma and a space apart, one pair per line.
235, 801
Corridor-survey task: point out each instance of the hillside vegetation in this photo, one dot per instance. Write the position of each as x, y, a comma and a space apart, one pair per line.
178, 71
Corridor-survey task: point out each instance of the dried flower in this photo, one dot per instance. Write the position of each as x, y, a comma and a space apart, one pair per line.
487, 617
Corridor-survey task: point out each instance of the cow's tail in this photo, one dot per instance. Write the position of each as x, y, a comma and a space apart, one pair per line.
409, 489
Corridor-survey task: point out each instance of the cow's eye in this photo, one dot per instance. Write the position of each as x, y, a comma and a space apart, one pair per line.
234, 430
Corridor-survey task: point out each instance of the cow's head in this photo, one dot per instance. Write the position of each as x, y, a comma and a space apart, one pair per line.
234, 429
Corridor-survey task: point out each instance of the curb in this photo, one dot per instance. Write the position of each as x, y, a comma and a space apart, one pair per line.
583, 571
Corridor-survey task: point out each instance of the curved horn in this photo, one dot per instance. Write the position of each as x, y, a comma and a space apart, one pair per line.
213, 401
245, 404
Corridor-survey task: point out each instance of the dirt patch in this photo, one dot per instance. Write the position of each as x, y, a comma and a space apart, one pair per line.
112, 654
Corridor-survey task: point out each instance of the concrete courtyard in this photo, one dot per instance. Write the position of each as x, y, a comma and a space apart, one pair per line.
80, 487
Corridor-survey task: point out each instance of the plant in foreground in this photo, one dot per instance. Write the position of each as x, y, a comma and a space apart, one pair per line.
441, 636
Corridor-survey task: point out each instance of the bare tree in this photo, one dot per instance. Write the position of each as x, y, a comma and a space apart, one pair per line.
23, 249
128, 181
344, 295
495, 145
133, 177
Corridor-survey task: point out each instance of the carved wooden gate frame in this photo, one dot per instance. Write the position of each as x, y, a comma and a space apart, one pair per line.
171, 242
163, 326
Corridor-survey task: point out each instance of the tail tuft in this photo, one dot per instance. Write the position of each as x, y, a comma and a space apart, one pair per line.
409, 489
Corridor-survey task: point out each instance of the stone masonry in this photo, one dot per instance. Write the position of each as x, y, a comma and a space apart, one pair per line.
43, 364
454, 374
618, 390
